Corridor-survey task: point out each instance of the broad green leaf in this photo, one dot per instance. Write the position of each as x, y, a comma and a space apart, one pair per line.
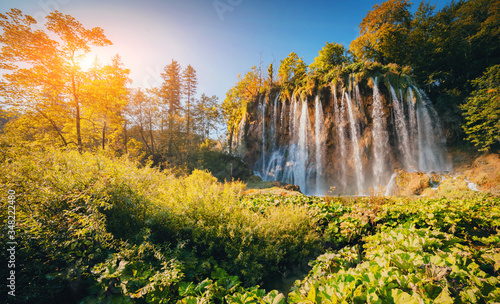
444, 297
401, 297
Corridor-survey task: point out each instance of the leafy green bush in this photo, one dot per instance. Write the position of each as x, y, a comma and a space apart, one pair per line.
346, 220
87, 221
251, 243
482, 113
403, 265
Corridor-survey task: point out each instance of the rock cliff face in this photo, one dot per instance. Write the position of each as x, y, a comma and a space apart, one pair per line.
350, 135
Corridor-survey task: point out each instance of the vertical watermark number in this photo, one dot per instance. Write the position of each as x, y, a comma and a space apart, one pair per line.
11, 243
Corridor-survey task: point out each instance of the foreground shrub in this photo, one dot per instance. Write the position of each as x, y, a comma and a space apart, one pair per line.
85, 221
209, 218
404, 265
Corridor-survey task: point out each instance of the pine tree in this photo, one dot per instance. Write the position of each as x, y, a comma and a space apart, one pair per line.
171, 93
190, 83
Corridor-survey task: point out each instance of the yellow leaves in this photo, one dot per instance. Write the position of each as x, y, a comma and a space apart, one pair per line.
379, 28
66, 101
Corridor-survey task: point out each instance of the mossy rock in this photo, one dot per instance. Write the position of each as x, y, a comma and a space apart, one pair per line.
256, 183
451, 187
485, 173
411, 184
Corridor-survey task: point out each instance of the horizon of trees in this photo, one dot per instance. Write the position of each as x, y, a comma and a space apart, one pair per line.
49, 99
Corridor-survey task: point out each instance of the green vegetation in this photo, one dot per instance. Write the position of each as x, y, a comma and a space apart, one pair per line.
98, 229
113, 203
407, 251
482, 110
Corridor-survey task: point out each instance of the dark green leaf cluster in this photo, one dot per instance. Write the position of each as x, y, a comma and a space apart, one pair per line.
482, 111
406, 251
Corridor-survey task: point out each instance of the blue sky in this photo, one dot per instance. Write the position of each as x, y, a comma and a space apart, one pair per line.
219, 38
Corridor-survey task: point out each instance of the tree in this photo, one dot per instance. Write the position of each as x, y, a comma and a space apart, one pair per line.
482, 111
171, 89
291, 71
208, 115
331, 55
190, 83
171, 92
144, 116
105, 93
384, 33
45, 79
270, 74
245, 90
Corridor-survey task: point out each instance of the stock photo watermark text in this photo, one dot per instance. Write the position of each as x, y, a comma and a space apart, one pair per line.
224, 6
11, 243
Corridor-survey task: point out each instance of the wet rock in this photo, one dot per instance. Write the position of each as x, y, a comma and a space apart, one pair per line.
410, 184
485, 173
255, 185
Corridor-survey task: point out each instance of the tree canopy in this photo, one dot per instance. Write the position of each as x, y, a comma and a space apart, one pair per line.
52, 100
46, 83
482, 111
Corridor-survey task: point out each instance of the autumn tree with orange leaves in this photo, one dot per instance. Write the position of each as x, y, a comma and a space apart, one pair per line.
47, 89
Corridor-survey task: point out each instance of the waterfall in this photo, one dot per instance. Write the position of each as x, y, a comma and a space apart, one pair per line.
302, 153
358, 166
283, 116
413, 122
320, 145
290, 160
273, 164
390, 186
297, 147
339, 122
274, 123
401, 131
263, 121
380, 137
431, 141
239, 136
293, 119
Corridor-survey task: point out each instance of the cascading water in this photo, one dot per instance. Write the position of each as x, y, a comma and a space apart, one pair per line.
380, 137
339, 122
431, 142
413, 122
262, 109
283, 116
360, 150
290, 151
274, 123
301, 161
402, 131
238, 138
320, 145
358, 166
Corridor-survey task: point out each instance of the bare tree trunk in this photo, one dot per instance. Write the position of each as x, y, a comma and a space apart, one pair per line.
78, 118
125, 136
54, 126
152, 137
103, 135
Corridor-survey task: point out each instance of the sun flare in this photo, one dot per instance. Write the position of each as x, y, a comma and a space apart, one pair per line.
87, 61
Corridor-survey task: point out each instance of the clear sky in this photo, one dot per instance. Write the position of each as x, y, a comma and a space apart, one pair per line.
219, 38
